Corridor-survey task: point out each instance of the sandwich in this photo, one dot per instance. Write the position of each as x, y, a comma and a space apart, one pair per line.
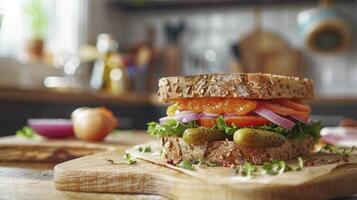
229, 119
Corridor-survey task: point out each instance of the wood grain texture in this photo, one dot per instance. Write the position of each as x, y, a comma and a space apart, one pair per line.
95, 173
55, 151
28, 181
21, 149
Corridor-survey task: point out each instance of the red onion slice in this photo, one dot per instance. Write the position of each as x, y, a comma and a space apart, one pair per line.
181, 118
183, 112
209, 115
300, 119
164, 119
52, 128
191, 118
276, 119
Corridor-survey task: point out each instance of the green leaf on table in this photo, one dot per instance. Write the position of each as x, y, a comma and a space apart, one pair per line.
146, 149
185, 164
129, 159
27, 132
247, 169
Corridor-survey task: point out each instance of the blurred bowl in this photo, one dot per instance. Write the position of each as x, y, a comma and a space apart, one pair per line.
52, 128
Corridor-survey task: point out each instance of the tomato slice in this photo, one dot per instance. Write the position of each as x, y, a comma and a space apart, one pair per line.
209, 123
282, 110
240, 121
217, 105
294, 105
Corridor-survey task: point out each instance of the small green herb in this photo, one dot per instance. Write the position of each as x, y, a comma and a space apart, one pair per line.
26, 132
185, 164
273, 167
329, 148
222, 125
129, 159
300, 164
247, 169
144, 149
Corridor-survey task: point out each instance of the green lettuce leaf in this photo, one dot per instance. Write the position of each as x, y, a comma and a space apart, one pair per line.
169, 128
176, 128
221, 125
300, 130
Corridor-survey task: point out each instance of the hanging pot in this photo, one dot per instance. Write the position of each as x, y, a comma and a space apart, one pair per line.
324, 29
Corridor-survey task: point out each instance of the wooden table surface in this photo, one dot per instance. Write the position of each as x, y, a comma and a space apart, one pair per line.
34, 181
25, 180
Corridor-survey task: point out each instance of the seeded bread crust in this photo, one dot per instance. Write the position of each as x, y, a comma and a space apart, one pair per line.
228, 153
240, 85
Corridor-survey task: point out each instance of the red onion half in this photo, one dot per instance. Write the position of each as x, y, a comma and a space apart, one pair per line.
52, 128
276, 119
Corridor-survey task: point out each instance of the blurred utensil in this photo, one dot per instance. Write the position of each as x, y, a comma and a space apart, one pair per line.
172, 53
268, 52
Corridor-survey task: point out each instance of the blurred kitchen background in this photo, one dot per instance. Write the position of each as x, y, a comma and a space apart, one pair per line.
57, 55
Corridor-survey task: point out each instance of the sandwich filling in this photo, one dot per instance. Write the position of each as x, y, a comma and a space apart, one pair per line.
245, 121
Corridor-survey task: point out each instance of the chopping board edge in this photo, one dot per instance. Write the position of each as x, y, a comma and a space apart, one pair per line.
87, 174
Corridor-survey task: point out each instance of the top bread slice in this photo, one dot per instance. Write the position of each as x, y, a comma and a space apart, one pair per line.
239, 85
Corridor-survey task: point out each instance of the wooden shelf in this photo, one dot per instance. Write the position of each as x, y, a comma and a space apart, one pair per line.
41, 95
334, 100
130, 5
127, 98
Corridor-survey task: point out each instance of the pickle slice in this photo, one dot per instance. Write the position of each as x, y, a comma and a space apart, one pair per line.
200, 135
258, 138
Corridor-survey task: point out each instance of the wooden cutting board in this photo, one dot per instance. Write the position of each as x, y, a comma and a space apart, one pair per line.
17, 149
95, 173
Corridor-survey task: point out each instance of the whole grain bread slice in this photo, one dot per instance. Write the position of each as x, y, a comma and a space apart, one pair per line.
240, 85
228, 153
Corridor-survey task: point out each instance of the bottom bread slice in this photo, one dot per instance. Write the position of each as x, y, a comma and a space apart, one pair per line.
228, 153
